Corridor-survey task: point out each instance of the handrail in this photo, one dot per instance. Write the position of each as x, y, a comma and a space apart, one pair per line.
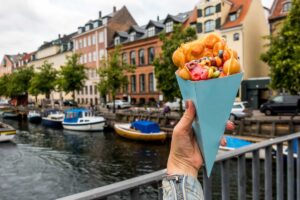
129, 184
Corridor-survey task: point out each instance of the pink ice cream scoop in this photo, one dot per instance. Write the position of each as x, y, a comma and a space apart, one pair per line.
199, 73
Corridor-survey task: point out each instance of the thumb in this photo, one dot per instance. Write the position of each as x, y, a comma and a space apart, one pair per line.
189, 115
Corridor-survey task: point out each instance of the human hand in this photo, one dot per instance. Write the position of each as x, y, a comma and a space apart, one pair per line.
185, 157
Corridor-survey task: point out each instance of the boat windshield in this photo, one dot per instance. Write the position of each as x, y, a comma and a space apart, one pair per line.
70, 115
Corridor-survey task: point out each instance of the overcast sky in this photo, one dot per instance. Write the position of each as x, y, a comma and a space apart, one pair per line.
25, 24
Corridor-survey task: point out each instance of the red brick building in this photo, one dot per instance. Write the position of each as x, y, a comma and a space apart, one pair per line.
279, 11
91, 42
140, 45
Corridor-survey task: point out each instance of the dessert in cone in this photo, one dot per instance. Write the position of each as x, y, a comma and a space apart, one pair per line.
209, 74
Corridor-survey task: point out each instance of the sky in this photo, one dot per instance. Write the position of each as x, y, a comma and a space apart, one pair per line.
26, 24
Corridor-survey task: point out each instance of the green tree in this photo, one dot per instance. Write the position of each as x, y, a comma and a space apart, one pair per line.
72, 75
20, 81
112, 74
283, 55
4, 85
164, 66
43, 81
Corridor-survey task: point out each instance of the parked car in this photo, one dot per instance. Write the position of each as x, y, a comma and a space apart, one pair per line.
239, 110
118, 104
70, 103
174, 105
281, 104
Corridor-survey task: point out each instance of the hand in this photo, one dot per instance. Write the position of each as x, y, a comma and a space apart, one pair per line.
185, 157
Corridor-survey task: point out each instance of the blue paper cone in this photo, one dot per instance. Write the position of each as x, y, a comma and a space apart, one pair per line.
213, 100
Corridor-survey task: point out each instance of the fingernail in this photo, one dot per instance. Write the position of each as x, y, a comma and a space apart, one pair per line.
187, 105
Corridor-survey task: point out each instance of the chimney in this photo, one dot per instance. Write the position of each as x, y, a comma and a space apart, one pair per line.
114, 9
100, 14
158, 18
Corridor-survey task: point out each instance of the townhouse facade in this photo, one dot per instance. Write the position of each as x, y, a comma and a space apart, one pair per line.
91, 43
53, 52
279, 11
243, 24
139, 46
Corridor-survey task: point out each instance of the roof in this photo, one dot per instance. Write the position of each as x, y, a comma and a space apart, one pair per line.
122, 34
276, 10
58, 41
136, 28
180, 18
239, 7
156, 24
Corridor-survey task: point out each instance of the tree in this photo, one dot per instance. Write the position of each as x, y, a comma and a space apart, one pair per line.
43, 81
112, 74
20, 81
72, 75
4, 85
283, 55
164, 66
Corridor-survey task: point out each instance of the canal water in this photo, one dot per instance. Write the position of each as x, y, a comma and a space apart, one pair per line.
44, 164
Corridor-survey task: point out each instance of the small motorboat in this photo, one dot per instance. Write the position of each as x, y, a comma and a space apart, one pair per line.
34, 116
141, 130
7, 132
10, 114
81, 119
53, 118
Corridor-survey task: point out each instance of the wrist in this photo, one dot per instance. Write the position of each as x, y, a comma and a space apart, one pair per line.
179, 168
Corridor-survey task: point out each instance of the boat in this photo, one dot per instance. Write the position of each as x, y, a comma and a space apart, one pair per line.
10, 114
53, 118
140, 130
7, 132
81, 119
34, 116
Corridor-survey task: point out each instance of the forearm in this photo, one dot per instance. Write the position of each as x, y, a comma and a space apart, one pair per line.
181, 187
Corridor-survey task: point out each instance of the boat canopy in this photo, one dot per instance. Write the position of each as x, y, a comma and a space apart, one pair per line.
72, 115
236, 142
146, 126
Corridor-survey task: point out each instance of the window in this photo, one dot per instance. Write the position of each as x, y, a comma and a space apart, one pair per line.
141, 57
90, 57
142, 83
117, 40
286, 7
91, 89
209, 10
101, 54
101, 37
151, 31
81, 59
125, 87
76, 44
278, 99
93, 39
124, 57
151, 55
151, 82
199, 13
218, 8
94, 56
86, 89
133, 83
199, 27
89, 42
236, 37
232, 17
80, 43
85, 58
169, 26
209, 25
132, 36
84, 42
218, 23
132, 57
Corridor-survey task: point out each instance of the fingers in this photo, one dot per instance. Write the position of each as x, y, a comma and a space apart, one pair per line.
230, 125
188, 116
223, 142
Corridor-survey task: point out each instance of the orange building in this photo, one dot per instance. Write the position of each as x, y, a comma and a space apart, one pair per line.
91, 42
140, 45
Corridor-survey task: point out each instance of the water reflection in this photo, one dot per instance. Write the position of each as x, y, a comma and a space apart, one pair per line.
45, 163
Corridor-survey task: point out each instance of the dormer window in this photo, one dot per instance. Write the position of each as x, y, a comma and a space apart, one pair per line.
117, 40
232, 17
286, 6
151, 31
87, 27
80, 30
169, 26
132, 36
210, 10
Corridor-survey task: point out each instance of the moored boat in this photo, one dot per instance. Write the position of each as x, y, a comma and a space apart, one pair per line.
10, 114
7, 132
141, 130
34, 116
81, 119
53, 118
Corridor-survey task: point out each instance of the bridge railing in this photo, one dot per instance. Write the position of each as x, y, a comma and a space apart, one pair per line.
278, 178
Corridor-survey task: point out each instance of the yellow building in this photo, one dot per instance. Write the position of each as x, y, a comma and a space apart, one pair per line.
242, 24
54, 52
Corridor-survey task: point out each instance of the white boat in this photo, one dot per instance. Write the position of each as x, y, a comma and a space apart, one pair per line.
10, 113
7, 132
53, 118
34, 116
81, 119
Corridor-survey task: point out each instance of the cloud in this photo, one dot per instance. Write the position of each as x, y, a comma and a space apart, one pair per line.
26, 24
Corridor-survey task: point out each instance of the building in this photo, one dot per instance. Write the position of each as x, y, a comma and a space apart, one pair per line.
91, 42
279, 11
243, 24
54, 52
140, 45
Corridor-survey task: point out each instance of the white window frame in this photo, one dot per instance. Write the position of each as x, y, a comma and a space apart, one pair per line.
151, 31
117, 40
209, 26
89, 41
93, 39
84, 42
90, 57
132, 36
101, 54
169, 26
101, 37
